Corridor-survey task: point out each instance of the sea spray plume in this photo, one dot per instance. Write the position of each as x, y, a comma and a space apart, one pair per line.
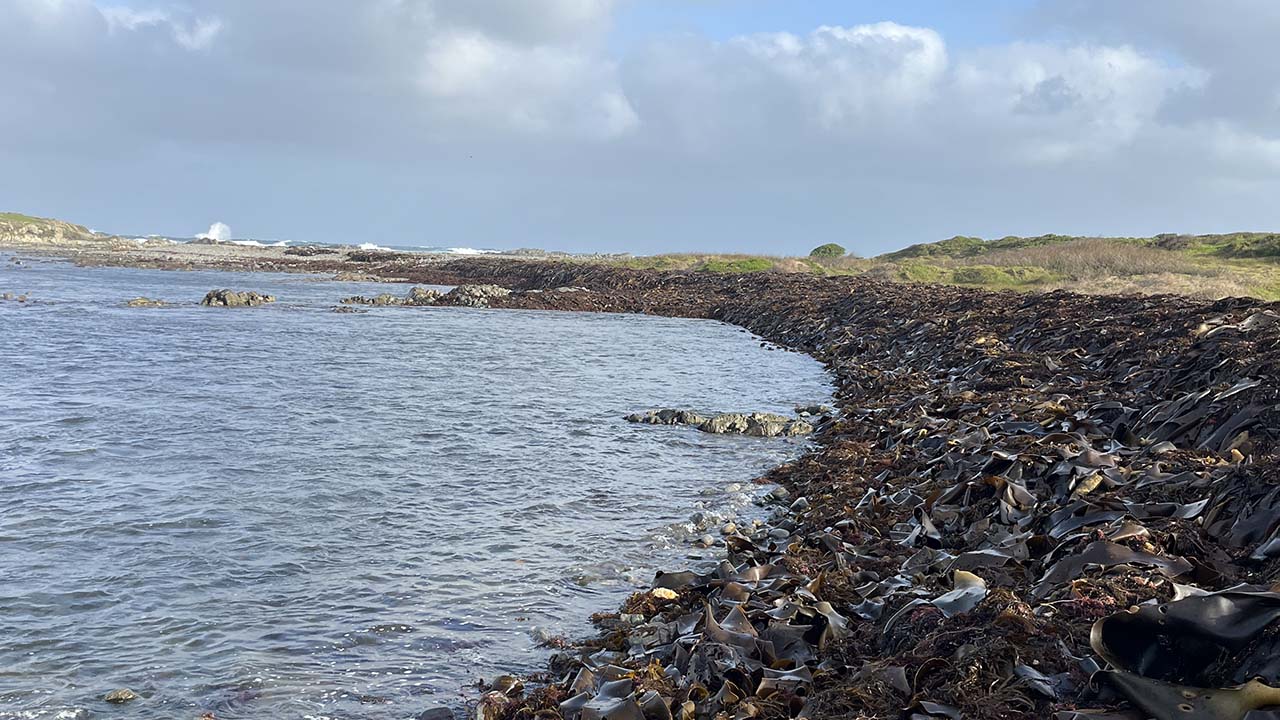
218, 232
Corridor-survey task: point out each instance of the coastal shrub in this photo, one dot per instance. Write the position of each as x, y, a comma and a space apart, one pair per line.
918, 272
1091, 258
958, 246
830, 250
741, 265
991, 276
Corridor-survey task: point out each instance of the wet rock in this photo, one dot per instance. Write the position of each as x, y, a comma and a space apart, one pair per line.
121, 696
508, 685
479, 296
417, 297
143, 302
436, 713
231, 298
493, 705
750, 424
667, 416
422, 296
309, 251
346, 310
348, 276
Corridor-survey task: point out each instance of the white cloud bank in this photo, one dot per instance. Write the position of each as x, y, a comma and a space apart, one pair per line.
520, 122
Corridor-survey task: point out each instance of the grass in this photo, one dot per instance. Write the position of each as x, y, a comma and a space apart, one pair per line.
18, 218
1206, 266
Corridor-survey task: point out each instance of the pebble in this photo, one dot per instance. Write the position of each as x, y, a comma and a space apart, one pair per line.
706, 541
664, 593
728, 529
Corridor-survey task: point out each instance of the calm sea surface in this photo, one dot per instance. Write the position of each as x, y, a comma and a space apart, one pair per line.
283, 512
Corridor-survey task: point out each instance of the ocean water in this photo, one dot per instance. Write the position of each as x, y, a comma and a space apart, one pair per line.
283, 512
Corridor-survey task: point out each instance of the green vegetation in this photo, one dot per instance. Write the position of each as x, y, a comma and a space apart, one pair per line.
743, 265
1208, 266
830, 250
18, 218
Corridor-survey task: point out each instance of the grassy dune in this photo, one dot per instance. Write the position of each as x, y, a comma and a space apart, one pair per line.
1208, 266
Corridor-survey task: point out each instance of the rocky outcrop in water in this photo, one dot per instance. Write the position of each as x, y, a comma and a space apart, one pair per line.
417, 297
750, 424
476, 295
121, 696
145, 302
461, 296
231, 298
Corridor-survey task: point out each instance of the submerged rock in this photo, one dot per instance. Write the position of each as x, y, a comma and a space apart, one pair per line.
231, 298
750, 424
146, 302
121, 696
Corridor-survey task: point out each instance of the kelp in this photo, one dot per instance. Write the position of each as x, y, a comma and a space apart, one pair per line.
1028, 506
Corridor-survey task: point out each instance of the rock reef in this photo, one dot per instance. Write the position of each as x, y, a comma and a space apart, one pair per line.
750, 424
231, 298
479, 296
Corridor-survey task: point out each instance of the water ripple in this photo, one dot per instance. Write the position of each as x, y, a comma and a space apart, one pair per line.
282, 512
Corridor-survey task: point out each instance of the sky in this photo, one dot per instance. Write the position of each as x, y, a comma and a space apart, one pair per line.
643, 126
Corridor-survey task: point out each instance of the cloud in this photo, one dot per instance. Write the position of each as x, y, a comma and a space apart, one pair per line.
197, 34
538, 89
359, 119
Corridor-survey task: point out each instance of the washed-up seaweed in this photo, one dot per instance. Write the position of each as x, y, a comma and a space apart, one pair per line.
1029, 506
1014, 486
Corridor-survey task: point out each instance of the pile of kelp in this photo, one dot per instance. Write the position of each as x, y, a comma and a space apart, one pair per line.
1030, 506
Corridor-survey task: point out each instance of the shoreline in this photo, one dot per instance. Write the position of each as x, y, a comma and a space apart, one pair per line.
1009, 473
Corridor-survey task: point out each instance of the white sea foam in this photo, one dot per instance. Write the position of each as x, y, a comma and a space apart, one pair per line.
218, 231
469, 251
255, 243
371, 246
